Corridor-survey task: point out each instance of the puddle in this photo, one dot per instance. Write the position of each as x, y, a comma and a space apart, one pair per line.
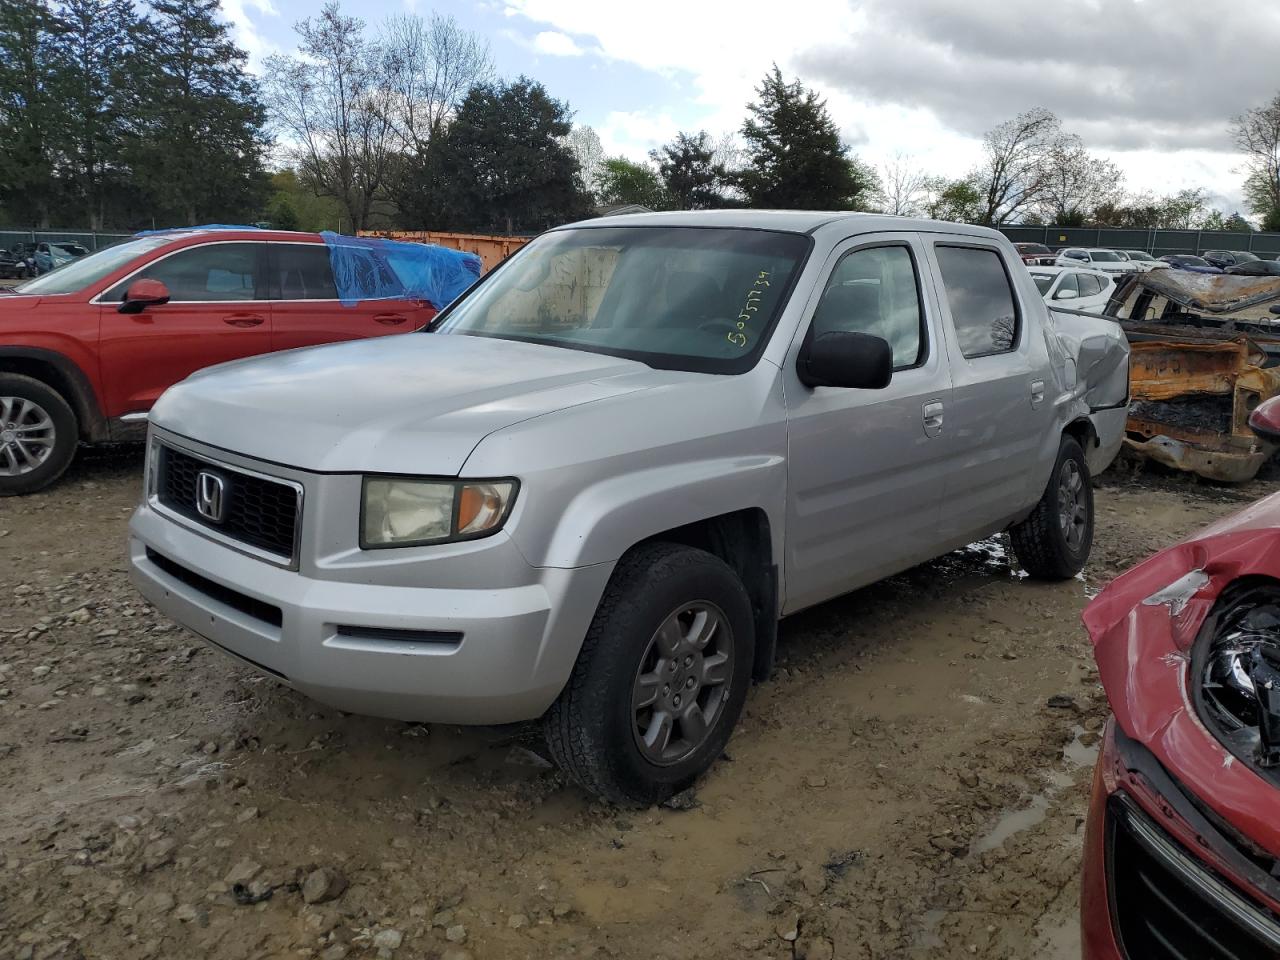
1060, 941
927, 935
1075, 755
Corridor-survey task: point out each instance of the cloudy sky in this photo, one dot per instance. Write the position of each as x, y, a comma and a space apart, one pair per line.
1151, 83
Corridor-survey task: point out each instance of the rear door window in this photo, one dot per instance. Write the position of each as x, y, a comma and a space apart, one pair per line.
1090, 286
984, 311
302, 271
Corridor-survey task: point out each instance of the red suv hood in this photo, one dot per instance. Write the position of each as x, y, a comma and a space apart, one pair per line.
1143, 626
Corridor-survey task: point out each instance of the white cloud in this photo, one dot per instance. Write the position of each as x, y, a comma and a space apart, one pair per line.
633, 134
1162, 127
556, 44
245, 32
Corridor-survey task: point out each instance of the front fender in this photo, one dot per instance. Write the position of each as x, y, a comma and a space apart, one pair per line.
72, 363
607, 518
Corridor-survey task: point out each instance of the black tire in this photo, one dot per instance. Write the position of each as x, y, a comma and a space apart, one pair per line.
591, 728
1041, 541
66, 436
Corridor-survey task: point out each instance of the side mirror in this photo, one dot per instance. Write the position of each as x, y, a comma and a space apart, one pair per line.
142, 294
857, 361
1066, 295
1265, 420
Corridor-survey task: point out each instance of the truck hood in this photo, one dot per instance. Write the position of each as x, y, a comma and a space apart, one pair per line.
417, 403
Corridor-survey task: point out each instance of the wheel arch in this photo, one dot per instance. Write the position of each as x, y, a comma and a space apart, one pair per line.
1082, 430
742, 539
64, 376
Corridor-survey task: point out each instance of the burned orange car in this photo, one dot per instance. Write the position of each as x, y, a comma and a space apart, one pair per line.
1204, 354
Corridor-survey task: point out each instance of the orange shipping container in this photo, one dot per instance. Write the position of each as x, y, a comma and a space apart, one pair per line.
491, 250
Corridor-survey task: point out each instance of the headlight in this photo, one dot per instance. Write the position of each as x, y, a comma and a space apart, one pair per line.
399, 512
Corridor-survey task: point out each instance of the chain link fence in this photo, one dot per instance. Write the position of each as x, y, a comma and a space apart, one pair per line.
92, 239
1156, 242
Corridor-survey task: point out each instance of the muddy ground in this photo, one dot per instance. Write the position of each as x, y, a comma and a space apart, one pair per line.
911, 784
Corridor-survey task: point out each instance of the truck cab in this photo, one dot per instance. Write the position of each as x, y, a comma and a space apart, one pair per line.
591, 489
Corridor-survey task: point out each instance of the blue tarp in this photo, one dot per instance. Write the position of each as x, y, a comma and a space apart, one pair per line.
370, 268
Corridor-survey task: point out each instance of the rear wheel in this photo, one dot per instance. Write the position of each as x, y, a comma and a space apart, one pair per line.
661, 677
38, 435
1054, 542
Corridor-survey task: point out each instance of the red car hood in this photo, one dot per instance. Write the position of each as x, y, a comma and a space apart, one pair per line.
1143, 626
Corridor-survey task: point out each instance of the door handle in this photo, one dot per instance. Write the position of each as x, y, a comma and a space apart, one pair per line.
243, 320
1037, 392
390, 319
931, 413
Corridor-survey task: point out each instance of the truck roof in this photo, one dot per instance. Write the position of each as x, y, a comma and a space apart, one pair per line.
792, 221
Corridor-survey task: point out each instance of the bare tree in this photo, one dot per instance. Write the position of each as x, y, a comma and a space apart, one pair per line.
585, 145
430, 65
904, 187
1257, 135
1011, 177
334, 106
1076, 183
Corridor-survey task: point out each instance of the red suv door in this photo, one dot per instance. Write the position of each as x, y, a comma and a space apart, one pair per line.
217, 311
305, 309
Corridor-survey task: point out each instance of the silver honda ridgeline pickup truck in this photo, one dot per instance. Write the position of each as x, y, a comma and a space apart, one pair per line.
591, 489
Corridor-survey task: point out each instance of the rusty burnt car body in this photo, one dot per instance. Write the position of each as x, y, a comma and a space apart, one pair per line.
1205, 353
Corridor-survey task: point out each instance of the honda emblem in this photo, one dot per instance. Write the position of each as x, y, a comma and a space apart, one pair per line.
210, 496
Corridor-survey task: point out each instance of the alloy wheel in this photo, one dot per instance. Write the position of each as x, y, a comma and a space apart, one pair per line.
682, 683
27, 436
1073, 510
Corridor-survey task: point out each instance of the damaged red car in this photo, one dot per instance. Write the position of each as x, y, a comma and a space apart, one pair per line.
1182, 848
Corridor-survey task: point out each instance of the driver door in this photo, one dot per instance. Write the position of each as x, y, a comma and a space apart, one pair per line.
218, 310
868, 467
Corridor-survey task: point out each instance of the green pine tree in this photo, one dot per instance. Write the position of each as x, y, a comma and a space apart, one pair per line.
30, 112
503, 165
95, 75
795, 158
689, 172
199, 142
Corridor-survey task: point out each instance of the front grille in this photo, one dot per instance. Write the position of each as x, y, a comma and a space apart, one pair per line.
257, 511
1168, 906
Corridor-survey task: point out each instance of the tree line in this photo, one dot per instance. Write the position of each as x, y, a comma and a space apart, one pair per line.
113, 114
122, 114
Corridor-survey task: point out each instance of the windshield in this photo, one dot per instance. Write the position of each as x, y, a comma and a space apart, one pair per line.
1105, 256
685, 298
1243, 256
75, 275
1032, 248
1139, 255
1043, 282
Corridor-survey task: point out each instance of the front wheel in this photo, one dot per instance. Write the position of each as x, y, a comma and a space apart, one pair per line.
1054, 542
38, 435
661, 678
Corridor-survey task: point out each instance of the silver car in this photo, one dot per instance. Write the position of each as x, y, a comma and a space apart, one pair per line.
591, 491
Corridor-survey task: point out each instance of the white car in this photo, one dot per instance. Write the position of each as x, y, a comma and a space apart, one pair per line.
1108, 261
1144, 261
1087, 290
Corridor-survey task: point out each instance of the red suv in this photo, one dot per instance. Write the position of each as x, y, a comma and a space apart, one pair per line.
87, 349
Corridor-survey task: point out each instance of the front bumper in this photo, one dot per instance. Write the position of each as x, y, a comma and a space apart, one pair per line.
462, 633
1163, 876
